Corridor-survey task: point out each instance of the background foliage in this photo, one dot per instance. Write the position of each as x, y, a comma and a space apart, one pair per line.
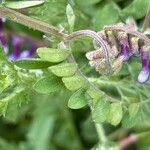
37, 94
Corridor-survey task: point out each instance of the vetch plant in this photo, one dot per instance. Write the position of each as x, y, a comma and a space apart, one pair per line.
113, 95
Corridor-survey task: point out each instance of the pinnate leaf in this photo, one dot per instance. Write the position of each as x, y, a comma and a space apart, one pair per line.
94, 93
139, 118
101, 111
133, 109
88, 2
77, 100
23, 4
70, 17
48, 85
73, 83
64, 69
129, 121
53, 55
115, 113
32, 63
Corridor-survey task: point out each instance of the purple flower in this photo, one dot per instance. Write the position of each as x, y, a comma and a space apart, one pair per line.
28, 53
125, 52
145, 71
124, 46
17, 45
17, 52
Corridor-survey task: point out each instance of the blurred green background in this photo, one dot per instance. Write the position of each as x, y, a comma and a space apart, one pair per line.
44, 122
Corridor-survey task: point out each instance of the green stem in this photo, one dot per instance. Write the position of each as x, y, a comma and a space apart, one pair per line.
29, 22
99, 127
101, 133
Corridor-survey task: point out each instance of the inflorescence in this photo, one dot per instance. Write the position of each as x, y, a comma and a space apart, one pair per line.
124, 42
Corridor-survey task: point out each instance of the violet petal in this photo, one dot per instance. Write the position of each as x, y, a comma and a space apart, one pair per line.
143, 76
24, 54
145, 71
32, 51
12, 57
17, 42
124, 45
125, 52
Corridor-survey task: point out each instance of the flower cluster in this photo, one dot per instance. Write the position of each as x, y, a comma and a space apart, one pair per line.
122, 46
18, 43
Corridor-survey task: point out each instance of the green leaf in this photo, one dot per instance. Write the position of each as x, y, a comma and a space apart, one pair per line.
137, 9
88, 2
49, 11
53, 55
32, 63
129, 121
3, 107
48, 85
64, 69
70, 17
23, 4
133, 109
140, 118
95, 93
101, 111
77, 100
73, 83
109, 14
115, 113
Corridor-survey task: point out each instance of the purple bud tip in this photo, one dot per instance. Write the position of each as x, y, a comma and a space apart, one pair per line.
145, 71
143, 76
125, 52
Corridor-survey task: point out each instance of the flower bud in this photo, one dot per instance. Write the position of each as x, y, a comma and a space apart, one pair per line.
131, 24
94, 54
99, 65
124, 45
145, 71
117, 65
101, 68
134, 46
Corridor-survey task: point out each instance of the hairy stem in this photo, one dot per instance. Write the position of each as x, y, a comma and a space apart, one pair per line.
98, 39
29, 22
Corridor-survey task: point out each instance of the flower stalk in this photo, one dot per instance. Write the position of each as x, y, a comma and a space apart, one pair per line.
98, 39
29, 22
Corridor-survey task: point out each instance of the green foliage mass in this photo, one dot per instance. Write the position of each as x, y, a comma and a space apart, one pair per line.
35, 92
